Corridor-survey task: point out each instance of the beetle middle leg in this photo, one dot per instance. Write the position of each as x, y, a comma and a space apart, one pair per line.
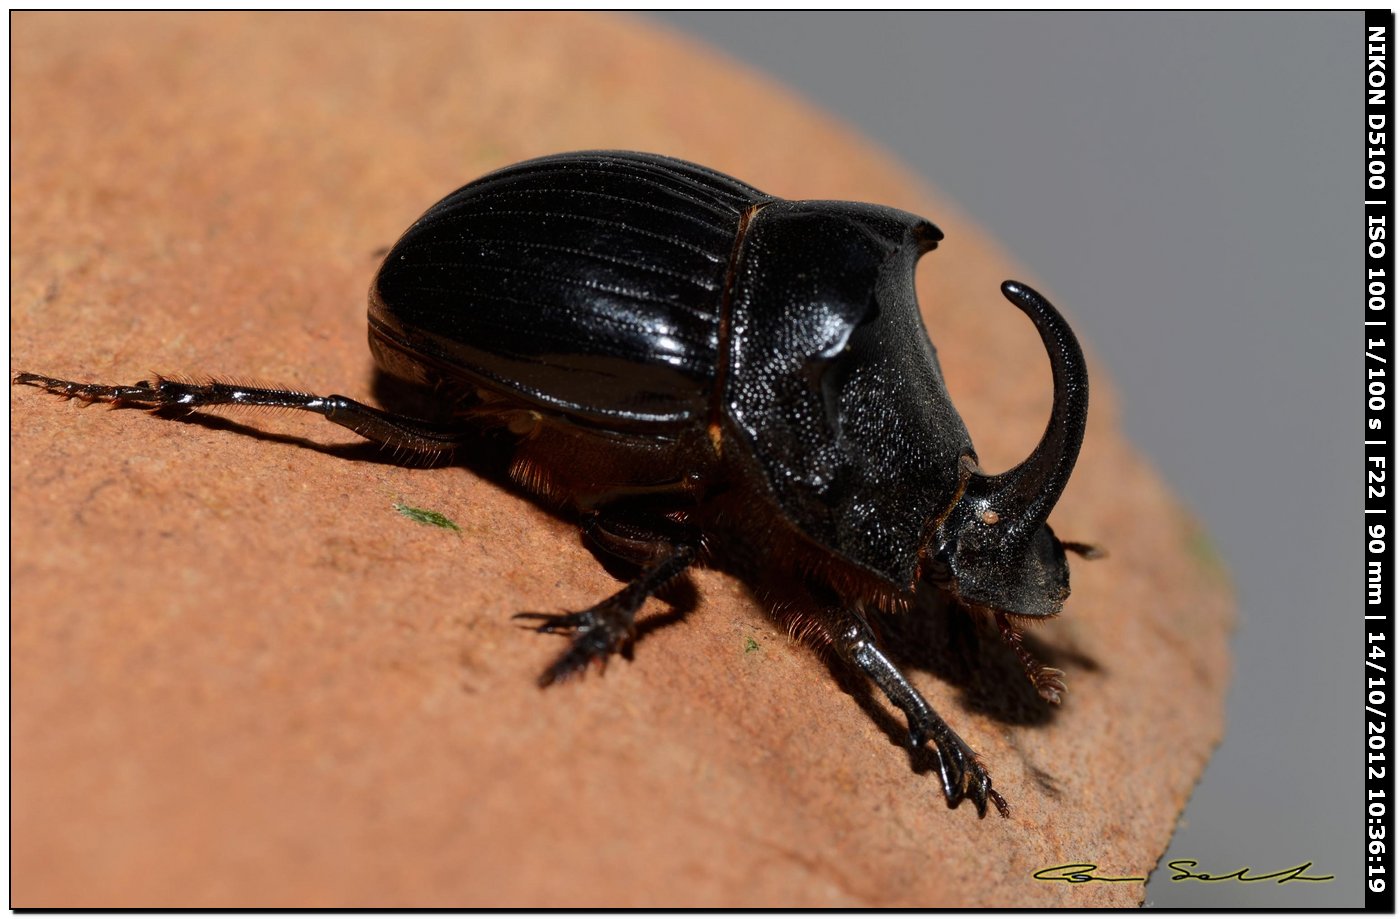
398, 431
662, 552
961, 772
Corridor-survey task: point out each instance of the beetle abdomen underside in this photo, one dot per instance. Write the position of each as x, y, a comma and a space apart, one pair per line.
587, 283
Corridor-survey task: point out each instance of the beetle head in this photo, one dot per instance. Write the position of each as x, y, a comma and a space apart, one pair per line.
994, 548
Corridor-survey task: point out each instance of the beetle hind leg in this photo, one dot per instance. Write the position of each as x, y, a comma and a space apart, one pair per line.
396, 431
609, 626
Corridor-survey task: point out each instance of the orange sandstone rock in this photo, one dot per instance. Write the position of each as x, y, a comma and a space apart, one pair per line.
240, 678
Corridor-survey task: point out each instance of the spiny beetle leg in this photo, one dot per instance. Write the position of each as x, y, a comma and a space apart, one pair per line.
607, 627
392, 430
1049, 682
959, 770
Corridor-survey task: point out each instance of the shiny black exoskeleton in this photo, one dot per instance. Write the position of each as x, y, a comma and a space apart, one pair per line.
705, 372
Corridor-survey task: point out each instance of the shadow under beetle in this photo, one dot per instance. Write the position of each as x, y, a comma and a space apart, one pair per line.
703, 372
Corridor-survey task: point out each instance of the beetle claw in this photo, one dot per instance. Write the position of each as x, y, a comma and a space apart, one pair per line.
1050, 684
960, 771
599, 632
559, 622
981, 791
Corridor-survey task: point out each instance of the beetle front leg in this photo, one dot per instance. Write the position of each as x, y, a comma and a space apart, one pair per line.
959, 769
382, 427
608, 626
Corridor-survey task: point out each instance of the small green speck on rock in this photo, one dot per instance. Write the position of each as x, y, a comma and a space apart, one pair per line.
750, 645
426, 517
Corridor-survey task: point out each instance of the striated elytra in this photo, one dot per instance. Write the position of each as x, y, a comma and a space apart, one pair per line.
705, 373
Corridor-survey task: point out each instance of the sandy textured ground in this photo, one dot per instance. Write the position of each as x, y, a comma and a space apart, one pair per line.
240, 678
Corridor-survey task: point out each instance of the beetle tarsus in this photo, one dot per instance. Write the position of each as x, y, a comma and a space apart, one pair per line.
397, 431
87, 392
959, 769
599, 632
1049, 683
610, 626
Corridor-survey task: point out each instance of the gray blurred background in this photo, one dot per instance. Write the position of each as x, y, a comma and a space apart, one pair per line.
1189, 186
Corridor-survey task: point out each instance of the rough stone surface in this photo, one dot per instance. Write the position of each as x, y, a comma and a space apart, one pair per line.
240, 678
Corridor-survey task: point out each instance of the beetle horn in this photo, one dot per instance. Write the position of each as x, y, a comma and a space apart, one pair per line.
1025, 494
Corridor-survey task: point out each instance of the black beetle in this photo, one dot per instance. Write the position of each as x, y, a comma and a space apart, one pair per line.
705, 372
